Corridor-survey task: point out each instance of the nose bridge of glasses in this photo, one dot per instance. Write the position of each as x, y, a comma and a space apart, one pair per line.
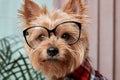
52, 32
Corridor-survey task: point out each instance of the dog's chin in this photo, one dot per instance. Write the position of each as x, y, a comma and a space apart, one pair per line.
54, 67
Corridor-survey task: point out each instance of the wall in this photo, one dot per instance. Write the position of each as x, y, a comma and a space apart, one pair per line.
106, 36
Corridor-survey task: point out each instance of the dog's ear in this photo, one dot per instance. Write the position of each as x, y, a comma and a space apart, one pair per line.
75, 7
31, 10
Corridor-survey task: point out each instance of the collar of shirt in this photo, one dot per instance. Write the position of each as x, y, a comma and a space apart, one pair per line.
85, 72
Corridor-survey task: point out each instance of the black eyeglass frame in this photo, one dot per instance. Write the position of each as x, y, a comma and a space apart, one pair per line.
53, 30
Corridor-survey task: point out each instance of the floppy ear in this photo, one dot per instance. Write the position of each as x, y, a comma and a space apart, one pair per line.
75, 7
31, 10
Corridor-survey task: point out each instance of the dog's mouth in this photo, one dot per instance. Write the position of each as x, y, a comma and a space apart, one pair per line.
51, 60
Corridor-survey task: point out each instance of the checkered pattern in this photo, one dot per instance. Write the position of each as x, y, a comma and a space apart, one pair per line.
85, 72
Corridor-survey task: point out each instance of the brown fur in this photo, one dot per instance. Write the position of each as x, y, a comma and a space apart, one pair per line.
70, 56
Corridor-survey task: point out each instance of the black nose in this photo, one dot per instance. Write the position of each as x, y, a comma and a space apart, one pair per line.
52, 51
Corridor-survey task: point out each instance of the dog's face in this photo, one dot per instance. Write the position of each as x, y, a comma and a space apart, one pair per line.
56, 41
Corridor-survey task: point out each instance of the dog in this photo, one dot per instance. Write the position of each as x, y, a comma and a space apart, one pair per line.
57, 41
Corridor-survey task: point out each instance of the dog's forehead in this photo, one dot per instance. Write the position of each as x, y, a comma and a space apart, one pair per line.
51, 19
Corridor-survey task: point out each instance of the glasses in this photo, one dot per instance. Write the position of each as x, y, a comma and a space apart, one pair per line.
68, 31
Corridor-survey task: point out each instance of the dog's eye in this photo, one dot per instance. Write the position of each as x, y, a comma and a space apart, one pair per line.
41, 37
65, 36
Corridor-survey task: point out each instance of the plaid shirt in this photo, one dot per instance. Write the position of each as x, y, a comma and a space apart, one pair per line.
85, 72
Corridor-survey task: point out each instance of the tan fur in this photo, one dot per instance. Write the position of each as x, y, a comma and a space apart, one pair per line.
70, 56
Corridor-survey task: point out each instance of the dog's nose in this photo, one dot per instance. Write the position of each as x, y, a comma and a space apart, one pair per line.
52, 51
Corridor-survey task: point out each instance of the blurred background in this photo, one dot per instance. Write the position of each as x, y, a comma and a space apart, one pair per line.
9, 22
103, 30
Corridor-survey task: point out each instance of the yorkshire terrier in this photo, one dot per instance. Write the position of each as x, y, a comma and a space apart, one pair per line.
57, 41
